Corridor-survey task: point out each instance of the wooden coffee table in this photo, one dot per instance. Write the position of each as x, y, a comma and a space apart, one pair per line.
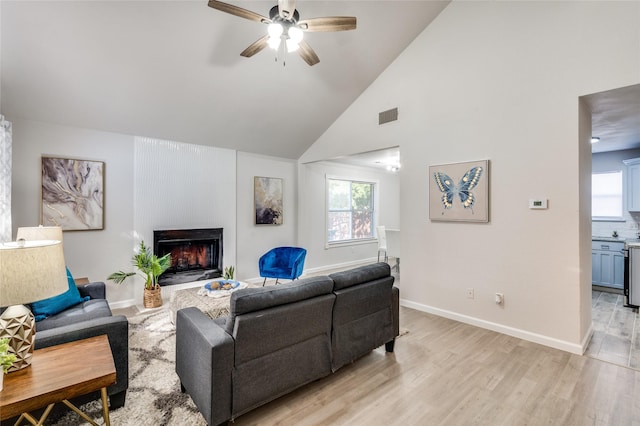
57, 374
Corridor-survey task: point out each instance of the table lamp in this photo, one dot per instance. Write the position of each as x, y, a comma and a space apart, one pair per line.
39, 233
29, 271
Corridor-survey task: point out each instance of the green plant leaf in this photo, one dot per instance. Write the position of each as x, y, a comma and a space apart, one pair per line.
150, 266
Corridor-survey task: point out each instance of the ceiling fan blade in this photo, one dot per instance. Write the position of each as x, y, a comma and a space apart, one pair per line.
286, 8
307, 53
238, 11
329, 23
256, 47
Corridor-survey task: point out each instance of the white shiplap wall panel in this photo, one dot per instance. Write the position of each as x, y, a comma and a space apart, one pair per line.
183, 186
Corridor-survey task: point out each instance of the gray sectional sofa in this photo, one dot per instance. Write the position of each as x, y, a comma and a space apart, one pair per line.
88, 319
279, 338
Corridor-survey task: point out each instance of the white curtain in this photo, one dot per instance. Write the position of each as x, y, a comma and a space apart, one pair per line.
5, 180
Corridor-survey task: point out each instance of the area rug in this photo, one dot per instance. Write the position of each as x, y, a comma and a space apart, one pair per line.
154, 396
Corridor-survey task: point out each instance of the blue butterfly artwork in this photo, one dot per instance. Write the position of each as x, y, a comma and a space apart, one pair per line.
462, 190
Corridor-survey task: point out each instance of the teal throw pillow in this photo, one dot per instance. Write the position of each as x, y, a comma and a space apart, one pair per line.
56, 304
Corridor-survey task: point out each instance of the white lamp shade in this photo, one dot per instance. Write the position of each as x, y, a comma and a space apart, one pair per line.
292, 46
274, 42
39, 233
275, 30
33, 272
295, 34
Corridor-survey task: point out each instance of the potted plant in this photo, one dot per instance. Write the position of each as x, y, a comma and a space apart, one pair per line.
6, 359
229, 272
151, 267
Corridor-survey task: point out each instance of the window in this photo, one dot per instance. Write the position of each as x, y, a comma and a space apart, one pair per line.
350, 210
606, 195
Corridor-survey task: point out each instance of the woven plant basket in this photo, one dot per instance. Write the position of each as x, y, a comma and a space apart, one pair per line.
153, 297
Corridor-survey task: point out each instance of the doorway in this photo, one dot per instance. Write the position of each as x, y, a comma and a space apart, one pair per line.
615, 118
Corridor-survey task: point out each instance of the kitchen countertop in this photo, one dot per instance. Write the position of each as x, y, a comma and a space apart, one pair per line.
609, 239
629, 242
632, 243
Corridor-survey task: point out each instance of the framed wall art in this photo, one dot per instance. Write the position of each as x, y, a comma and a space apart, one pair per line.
268, 200
459, 192
72, 194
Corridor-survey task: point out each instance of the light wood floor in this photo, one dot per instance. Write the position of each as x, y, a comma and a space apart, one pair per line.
448, 373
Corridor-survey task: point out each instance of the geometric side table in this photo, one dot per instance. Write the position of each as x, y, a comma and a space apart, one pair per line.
57, 374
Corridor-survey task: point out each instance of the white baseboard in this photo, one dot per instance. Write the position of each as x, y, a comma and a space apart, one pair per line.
510, 331
587, 339
122, 304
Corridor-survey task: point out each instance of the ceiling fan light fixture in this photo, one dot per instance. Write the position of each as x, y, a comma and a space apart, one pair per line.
294, 38
295, 34
275, 30
284, 23
292, 46
274, 42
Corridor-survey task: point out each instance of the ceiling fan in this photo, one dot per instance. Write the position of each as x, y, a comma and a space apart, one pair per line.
285, 25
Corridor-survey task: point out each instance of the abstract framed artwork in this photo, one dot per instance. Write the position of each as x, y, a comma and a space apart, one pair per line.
72, 194
268, 200
459, 192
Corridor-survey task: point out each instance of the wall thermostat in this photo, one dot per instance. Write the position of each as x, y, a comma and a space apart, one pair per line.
538, 203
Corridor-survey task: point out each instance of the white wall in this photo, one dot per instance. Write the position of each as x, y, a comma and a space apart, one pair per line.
608, 162
500, 81
256, 240
312, 211
93, 254
152, 184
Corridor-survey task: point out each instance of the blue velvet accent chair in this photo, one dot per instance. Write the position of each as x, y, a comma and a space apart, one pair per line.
282, 262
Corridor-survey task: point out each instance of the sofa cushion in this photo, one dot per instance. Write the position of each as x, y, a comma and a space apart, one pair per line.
91, 309
360, 275
56, 304
255, 299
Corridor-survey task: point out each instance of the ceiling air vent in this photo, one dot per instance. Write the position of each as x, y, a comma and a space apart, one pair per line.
388, 116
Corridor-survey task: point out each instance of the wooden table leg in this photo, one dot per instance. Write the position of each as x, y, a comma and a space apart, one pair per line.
105, 407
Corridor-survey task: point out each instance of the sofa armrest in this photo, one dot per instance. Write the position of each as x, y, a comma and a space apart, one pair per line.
95, 290
115, 327
204, 362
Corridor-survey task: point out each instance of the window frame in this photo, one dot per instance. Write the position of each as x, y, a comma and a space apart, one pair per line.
374, 217
622, 197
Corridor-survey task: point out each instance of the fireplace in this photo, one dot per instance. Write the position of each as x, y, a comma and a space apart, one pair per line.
196, 254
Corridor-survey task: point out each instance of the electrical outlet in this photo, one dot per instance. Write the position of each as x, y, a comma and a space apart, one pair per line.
499, 298
470, 293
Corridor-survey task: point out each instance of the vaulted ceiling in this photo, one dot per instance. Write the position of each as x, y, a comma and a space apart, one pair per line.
173, 70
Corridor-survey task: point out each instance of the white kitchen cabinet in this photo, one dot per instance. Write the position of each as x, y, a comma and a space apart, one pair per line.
607, 264
633, 184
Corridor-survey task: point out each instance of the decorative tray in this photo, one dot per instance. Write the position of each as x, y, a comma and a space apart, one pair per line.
221, 288
220, 285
